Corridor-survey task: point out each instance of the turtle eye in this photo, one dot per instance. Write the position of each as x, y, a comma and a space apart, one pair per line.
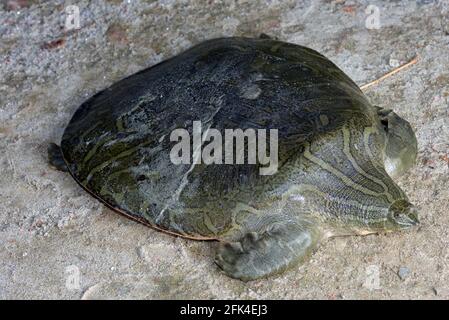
384, 123
383, 115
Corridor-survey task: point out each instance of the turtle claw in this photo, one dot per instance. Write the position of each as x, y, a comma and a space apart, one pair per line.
228, 252
238, 259
228, 257
249, 241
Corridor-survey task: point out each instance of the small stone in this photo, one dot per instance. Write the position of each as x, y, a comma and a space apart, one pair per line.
403, 272
394, 63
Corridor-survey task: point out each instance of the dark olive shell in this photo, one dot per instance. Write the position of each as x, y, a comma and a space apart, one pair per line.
117, 144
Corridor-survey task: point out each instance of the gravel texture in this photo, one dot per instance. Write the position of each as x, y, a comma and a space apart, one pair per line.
58, 242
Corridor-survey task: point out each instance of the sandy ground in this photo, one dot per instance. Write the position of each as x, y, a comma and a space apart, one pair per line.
58, 242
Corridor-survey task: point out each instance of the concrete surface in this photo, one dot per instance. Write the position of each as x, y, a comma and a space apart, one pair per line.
58, 242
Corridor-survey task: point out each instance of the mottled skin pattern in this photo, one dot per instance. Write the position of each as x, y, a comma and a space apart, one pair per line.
335, 149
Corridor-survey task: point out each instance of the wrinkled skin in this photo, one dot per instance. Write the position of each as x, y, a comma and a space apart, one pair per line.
401, 146
336, 153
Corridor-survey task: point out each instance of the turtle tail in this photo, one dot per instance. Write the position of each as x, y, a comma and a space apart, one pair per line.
55, 157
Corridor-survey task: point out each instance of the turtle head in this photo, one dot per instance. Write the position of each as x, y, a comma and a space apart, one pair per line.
401, 147
402, 215
350, 181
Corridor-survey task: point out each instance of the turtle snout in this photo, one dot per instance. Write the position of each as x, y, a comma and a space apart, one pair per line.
404, 214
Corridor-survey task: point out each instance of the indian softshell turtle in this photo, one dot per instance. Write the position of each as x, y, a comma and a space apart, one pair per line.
337, 153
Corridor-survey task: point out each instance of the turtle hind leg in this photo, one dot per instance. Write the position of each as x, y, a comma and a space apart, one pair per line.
281, 243
55, 157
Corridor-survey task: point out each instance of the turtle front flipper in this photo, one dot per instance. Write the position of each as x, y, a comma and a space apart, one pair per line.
269, 248
55, 157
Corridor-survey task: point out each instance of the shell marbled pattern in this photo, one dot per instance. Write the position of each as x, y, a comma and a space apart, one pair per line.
117, 145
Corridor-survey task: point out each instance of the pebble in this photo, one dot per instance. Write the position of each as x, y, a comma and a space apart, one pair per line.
394, 63
403, 272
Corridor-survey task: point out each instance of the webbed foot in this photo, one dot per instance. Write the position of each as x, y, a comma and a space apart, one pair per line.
260, 254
